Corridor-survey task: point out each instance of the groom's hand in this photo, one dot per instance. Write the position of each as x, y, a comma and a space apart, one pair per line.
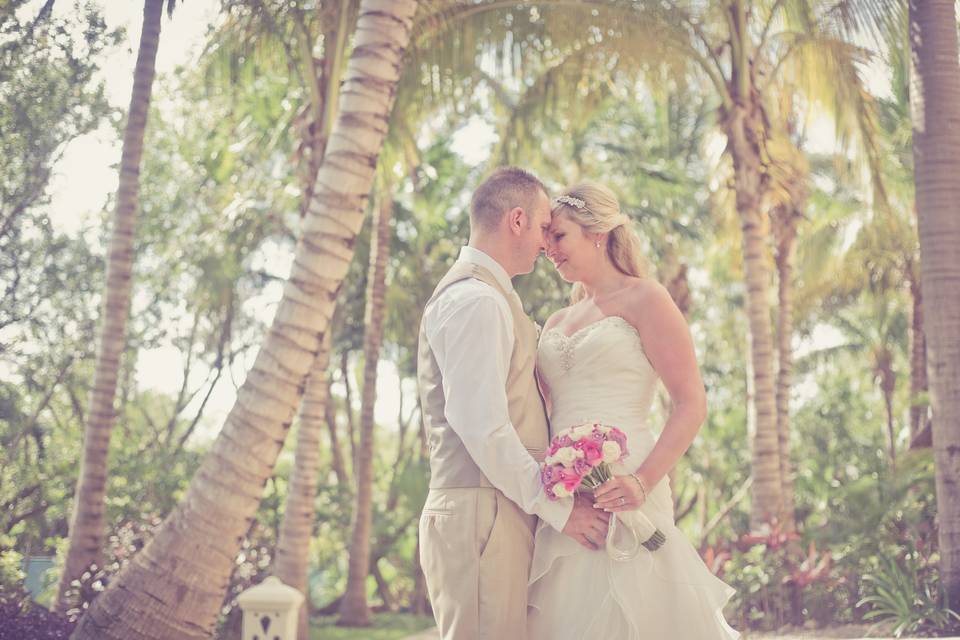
587, 525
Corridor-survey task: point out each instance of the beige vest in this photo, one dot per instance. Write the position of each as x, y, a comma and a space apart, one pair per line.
450, 465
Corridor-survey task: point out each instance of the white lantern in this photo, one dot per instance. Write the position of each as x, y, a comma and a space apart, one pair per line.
270, 611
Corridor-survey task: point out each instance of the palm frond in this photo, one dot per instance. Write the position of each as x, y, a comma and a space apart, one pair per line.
828, 72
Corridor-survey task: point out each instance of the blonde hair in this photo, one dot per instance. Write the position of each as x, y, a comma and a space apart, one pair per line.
596, 209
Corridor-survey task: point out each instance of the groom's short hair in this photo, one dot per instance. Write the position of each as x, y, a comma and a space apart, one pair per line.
504, 189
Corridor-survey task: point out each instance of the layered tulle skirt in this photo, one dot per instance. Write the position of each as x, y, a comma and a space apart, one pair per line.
666, 594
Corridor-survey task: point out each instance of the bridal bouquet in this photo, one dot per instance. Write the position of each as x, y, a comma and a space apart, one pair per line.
580, 457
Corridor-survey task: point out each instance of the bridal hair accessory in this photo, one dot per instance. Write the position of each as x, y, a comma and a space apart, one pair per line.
572, 201
579, 458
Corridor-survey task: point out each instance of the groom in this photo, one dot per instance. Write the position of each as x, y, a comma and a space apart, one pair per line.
486, 424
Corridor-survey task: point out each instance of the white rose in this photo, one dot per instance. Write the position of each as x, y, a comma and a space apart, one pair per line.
567, 455
611, 452
561, 491
582, 431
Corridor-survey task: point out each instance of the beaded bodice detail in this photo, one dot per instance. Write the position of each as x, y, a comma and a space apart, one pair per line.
600, 372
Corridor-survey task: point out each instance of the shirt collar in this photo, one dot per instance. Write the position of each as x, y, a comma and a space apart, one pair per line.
478, 257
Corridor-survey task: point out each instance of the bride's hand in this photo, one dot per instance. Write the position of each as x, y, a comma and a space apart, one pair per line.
619, 493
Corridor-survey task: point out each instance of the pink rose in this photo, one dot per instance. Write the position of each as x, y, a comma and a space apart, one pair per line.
564, 441
550, 474
592, 452
568, 477
581, 467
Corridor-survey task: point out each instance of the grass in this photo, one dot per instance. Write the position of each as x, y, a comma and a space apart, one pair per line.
386, 626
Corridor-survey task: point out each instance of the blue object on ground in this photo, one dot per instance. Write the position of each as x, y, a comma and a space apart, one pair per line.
36, 568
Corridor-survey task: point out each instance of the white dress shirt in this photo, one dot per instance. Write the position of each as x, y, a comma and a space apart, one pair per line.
470, 330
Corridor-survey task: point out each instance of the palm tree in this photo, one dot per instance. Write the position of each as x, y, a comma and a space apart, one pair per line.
354, 611
897, 245
87, 526
785, 218
265, 31
935, 100
174, 586
296, 529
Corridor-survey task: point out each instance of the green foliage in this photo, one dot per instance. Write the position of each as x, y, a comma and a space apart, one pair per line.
571, 95
384, 626
11, 572
49, 94
908, 595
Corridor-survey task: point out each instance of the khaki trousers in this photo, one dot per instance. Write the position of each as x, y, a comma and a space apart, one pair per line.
475, 549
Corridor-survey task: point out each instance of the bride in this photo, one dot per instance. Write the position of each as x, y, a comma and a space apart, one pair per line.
599, 360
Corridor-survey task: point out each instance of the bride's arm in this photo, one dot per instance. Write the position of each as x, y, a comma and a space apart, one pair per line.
669, 348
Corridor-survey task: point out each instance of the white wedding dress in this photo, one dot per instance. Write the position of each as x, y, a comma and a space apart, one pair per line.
601, 374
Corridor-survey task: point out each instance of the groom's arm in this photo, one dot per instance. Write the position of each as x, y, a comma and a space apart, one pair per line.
472, 341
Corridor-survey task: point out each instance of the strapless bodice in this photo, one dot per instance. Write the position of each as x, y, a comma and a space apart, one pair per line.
600, 373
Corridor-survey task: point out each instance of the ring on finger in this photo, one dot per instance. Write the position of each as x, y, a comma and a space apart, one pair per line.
623, 501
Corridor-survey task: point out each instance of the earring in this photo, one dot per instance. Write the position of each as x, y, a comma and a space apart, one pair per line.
598, 244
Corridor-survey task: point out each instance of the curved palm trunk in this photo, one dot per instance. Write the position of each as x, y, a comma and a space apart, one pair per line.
173, 588
354, 611
744, 129
87, 526
935, 102
296, 529
784, 260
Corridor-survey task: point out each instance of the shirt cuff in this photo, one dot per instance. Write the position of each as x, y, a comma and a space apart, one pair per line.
556, 513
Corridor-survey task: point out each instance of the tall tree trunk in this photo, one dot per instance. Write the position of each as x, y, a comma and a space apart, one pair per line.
296, 529
354, 611
918, 366
87, 526
784, 260
348, 408
336, 452
173, 588
744, 126
935, 103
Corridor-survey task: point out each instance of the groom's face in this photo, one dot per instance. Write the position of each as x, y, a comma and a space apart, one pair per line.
533, 240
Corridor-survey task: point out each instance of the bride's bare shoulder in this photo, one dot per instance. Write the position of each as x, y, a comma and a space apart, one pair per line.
643, 298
